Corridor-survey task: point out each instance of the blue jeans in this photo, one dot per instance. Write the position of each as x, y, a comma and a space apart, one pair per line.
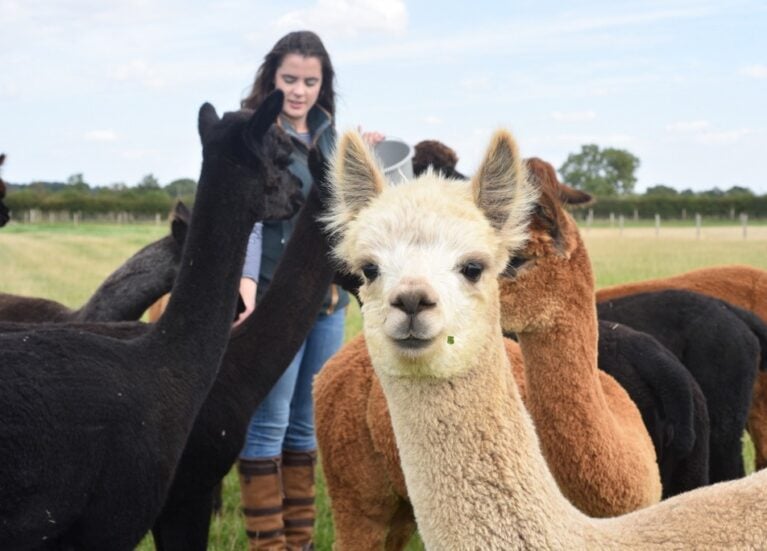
285, 419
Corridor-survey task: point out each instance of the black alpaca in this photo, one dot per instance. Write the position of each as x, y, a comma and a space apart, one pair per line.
122, 296
722, 347
257, 355
4, 214
92, 426
671, 403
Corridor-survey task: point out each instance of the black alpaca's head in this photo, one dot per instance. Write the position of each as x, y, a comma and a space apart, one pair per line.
4, 216
249, 142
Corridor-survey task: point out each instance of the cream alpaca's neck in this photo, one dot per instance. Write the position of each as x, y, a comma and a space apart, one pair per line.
465, 446
477, 479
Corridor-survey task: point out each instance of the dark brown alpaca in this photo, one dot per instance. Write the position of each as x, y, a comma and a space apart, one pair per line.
124, 295
4, 215
93, 426
435, 154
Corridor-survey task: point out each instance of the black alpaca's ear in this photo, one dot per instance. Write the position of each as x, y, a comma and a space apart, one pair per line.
2, 158
265, 116
180, 222
206, 119
319, 167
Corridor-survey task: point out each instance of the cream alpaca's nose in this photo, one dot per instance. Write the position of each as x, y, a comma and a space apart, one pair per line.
413, 301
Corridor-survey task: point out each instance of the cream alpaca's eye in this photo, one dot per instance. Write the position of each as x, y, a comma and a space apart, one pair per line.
472, 271
370, 271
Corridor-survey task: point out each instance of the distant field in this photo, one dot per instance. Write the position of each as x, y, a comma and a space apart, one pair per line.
67, 263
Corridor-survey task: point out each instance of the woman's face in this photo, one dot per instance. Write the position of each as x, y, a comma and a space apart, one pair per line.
300, 79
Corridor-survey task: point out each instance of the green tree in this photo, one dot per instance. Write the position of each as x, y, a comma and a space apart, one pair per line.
181, 187
148, 182
661, 190
601, 172
739, 191
76, 181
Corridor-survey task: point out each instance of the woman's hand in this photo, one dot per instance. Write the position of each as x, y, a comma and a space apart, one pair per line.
371, 138
248, 294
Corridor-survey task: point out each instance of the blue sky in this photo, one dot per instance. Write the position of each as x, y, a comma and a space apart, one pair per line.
111, 89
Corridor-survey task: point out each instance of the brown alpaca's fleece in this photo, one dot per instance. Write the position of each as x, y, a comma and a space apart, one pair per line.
740, 285
155, 311
359, 454
591, 433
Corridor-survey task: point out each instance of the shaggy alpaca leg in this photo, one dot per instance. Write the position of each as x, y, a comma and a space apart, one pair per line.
757, 420
365, 525
261, 487
298, 510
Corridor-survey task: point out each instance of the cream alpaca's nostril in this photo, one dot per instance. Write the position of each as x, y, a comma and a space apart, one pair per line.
413, 302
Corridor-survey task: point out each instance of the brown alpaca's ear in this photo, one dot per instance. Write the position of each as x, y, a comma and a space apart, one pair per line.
356, 175
502, 189
574, 197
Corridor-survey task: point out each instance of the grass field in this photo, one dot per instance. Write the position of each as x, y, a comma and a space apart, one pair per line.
67, 263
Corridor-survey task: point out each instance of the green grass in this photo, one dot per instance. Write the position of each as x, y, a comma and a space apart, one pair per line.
67, 263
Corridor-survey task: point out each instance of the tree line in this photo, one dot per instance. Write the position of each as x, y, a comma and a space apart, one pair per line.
75, 195
609, 175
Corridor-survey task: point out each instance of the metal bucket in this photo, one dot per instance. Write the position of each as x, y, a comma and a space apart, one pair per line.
396, 157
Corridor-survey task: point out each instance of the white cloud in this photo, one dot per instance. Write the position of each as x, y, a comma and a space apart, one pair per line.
475, 84
568, 30
754, 71
348, 17
431, 119
138, 70
574, 116
685, 127
101, 136
138, 154
723, 137
703, 132
605, 140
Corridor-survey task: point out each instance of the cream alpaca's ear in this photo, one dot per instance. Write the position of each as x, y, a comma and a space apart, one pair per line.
503, 191
356, 179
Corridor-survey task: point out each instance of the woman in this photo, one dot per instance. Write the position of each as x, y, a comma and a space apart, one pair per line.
278, 460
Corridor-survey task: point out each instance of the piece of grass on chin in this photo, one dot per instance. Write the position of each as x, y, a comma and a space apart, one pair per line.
450, 339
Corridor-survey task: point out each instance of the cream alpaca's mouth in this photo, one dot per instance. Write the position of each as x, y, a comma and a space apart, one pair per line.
413, 343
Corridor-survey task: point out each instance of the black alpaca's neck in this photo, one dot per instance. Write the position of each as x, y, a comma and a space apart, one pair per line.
285, 314
196, 324
134, 286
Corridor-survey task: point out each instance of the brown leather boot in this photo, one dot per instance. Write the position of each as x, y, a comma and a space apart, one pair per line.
261, 488
298, 509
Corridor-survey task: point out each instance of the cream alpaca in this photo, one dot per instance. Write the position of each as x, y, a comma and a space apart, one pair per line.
592, 435
430, 253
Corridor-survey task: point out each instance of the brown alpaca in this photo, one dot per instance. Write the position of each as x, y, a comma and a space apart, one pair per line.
366, 480
742, 286
430, 253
